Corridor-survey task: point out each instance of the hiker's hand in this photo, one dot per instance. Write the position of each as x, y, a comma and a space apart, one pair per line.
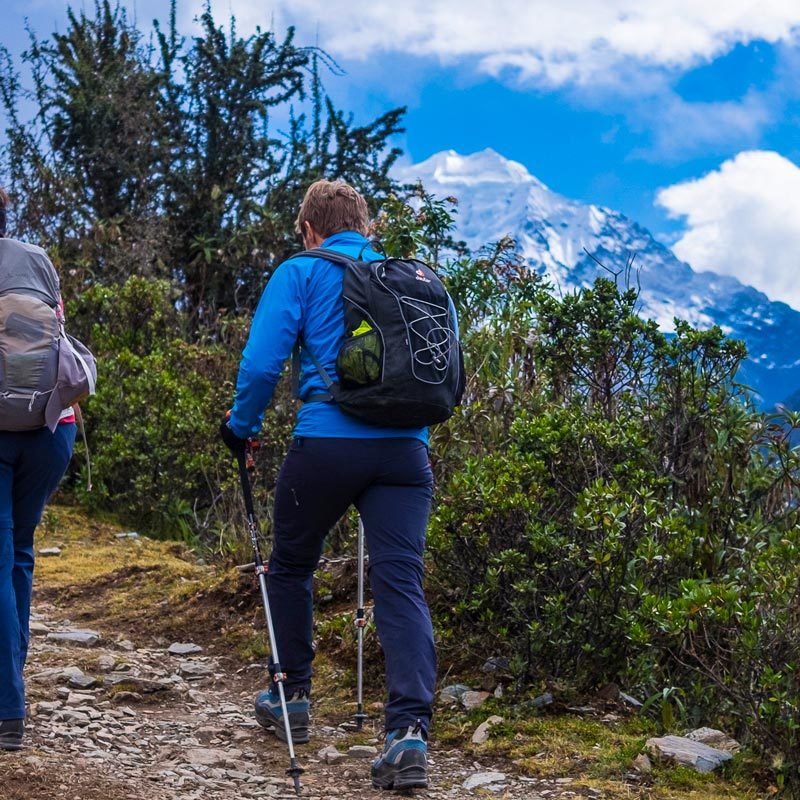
234, 443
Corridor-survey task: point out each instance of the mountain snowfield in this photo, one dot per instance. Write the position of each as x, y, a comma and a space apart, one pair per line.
498, 197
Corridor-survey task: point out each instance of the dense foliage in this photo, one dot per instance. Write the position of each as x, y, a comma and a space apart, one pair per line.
611, 507
182, 160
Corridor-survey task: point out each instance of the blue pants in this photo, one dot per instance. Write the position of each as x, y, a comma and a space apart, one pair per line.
390, 482
31, 465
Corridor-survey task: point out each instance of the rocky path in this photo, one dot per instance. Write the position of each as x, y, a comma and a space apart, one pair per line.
113, 719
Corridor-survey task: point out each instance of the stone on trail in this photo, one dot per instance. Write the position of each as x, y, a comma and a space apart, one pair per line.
49, 551
39, 629
44, 708
81, 681
126, 697
71, 717
193, 670
330, 755
80, 699
714, 738
473, 699
481, 735
451, 695
642, 764
206, 757
133, 683
483, 779
184, 648
83, 638
688, 753
106, 662
362, 751
56, 674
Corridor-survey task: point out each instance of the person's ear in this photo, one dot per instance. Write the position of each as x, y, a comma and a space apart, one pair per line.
310, 237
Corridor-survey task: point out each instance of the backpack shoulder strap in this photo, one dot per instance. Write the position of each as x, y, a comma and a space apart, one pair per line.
324, 397
333, 256
341, 260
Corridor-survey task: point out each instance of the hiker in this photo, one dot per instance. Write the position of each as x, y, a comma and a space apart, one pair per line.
36, 441
337, 460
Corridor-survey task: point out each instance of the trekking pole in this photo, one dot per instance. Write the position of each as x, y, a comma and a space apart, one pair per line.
360, 622
246, 462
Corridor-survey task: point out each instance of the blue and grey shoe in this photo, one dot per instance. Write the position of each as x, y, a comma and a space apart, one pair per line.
404, 761
11, 733
269, 714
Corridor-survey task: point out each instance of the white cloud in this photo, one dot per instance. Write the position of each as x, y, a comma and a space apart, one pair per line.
679, 128
569, 42
743, 220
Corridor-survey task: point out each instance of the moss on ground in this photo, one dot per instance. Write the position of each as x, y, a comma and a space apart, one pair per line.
594, 754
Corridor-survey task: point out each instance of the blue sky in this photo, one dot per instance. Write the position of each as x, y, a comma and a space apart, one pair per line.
682, 114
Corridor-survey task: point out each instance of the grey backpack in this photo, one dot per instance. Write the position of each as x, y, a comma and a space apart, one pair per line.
43, 370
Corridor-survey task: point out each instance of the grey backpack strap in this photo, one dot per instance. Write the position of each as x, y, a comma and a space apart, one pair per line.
340, 259
333, 256
317, 397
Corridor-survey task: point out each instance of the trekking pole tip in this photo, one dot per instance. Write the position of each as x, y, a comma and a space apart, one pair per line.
295, 772
359, 717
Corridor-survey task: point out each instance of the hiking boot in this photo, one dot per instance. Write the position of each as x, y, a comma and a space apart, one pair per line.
404, 761
11, 731
270, 714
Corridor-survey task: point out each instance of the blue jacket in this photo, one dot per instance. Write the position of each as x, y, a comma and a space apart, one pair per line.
303, 298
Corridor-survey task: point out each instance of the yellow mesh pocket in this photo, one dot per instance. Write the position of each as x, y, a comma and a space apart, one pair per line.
360, 360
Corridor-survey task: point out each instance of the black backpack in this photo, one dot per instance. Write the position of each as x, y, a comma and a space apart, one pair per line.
401, 363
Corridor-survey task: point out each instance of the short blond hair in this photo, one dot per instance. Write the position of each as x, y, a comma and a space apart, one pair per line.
333, 206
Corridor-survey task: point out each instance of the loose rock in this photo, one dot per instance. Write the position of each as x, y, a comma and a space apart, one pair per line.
689, 753
55, 674
49, 551
193, 670
642, 764
78, 637
481, 735
483, 779
81, 681
451, 695
330, 755
184, 648
473, 699
714, 738
206, 756
105, 663
362, 751
38, 629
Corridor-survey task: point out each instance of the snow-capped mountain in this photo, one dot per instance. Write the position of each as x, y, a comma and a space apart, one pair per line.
499, 197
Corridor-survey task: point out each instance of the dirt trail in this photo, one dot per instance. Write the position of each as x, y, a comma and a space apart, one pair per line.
116, 719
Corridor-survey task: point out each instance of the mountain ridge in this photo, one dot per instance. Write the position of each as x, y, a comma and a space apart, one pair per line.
498, 197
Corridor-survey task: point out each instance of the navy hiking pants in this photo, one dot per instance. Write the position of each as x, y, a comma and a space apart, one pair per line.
31, 465
391, 484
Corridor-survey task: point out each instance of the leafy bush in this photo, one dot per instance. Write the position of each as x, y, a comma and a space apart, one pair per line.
616, 510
